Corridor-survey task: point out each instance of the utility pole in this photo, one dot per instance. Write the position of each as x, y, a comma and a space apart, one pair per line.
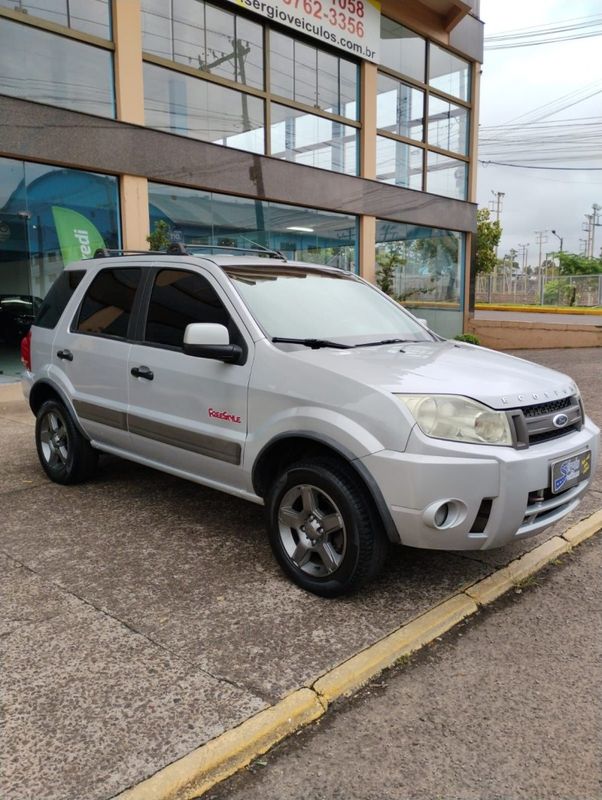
540, 241
496, 207
595, 224
524, 249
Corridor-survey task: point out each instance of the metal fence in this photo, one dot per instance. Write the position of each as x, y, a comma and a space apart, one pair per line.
548, 290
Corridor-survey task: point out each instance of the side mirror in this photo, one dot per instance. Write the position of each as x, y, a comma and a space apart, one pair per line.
208, 340
422, 321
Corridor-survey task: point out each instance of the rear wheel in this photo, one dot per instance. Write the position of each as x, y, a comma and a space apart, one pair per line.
65, 454
323, 529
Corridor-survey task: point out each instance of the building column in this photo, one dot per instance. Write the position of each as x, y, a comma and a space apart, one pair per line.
369, 83
129, 95
367, 248
469, 277
367, 226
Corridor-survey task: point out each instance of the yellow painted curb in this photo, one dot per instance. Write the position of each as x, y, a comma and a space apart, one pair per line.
489, 589
535, 559
593, 312
492, 587
359, 669
584, 530
198, 771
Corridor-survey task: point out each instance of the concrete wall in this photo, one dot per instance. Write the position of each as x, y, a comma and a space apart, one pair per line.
502, 335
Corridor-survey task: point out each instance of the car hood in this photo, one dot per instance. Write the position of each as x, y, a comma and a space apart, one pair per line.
499, 380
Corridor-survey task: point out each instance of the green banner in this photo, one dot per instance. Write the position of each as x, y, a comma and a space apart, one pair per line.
78, 237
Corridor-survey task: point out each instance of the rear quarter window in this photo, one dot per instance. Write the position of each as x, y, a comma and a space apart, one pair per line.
57, 298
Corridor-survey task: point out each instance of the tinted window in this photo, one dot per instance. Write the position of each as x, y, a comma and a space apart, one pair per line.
57, 298
178, 299
107, 305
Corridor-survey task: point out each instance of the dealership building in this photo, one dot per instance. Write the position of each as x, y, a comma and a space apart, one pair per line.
340, 132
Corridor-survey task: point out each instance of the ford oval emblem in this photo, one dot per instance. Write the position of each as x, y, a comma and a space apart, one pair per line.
560, 420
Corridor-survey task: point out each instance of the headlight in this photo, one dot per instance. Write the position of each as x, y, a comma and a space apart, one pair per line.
458, 419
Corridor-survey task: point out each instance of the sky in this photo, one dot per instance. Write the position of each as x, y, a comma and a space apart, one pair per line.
514, 83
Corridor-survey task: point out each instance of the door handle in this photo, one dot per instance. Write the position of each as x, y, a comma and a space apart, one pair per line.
65, 355
142, 372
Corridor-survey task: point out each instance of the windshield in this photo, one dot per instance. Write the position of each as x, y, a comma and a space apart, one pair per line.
306, 304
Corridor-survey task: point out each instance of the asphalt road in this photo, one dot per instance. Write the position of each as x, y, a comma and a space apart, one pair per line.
506, 706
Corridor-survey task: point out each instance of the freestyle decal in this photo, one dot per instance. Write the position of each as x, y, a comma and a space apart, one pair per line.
225, 415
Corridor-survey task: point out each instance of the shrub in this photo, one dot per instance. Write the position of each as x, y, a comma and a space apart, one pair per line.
467, 337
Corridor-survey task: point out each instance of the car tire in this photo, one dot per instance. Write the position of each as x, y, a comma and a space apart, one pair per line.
66, 456
323, 528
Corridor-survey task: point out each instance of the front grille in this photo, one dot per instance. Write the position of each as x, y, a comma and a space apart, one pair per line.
553, 407
535, 424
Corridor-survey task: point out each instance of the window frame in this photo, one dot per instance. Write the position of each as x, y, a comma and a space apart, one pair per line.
143, 308
429, 91
134, 312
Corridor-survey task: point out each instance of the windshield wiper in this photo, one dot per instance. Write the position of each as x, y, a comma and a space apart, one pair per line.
315, 344
387, 341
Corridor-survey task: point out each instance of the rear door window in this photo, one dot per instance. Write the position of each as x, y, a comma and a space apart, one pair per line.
106, 309
56, 300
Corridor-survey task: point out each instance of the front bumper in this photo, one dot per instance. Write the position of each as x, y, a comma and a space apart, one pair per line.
497, 485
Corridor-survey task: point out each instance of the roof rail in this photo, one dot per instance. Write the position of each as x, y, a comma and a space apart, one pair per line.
177, 248
104, 252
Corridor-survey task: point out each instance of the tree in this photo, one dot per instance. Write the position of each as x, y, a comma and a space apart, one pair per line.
489, 233
159, 239
573, 264
388, 263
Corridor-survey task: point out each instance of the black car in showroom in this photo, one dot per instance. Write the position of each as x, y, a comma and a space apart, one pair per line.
17, 312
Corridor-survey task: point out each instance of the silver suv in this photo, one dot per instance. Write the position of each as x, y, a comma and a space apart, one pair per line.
306, 389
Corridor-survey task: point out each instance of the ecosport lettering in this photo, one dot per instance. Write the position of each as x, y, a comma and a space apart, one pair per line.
225, 415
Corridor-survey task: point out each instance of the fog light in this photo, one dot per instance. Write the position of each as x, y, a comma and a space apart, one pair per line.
441, 515
444, 514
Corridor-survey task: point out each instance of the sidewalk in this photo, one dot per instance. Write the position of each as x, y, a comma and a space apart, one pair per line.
144, 615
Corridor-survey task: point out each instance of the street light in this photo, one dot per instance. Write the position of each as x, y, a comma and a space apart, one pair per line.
559, 238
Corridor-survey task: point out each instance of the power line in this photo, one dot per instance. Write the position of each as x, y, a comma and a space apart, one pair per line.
534, 166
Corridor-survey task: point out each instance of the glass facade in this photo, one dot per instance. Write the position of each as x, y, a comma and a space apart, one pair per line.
447, 125
48, 68
414, 122
182, 104
399, 163
49, 217
209, 218
448, 73
277, 84
315, 77
402, 50
93, 17
447, 176
313, 141
210, 39
428, 271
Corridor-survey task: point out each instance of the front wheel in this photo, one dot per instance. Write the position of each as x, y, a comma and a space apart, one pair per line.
65, 454
323, 529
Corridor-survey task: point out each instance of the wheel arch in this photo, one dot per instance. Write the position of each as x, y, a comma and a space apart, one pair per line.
289, 447
44, 390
